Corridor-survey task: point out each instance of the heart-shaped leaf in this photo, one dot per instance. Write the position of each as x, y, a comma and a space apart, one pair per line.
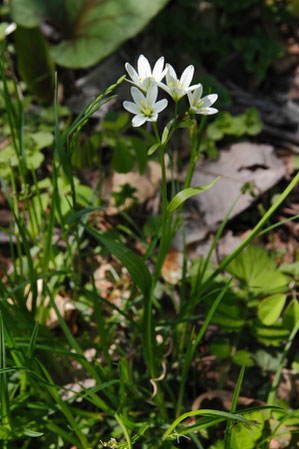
91, 29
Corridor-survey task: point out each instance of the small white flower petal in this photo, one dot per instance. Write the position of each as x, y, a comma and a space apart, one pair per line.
187, 76
137, 95
158, 69
138, 120
190, 97
197, 93
152, 93
210, 99
170, 74
131, 107
208, 111
160, 105
144, 68
194, 87
132, 72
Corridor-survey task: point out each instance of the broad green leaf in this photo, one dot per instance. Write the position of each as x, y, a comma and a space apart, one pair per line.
267, 360
254, 124
258, 271
140, 152
242, 358
291, 314
91, 29
28, 13
244, 437
269, 309
272, 335
214, 132
238, 126
217, 445
4, 433
229, 314
42, 139
122, 158
34, 62
290, 268
101, 27
34, 159
84, 194
221, 349
185, 194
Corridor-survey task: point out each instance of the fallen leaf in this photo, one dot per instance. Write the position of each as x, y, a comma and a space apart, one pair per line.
242, 163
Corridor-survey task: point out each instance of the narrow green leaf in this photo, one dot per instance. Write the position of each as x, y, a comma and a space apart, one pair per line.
205, 412
134, 264
32, 343
5, 404
152, 149
32, 433
166, 131
233, 407
185, 194
77, 215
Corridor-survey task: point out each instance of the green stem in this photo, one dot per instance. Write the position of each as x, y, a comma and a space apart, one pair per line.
164, 235
195, 143
273, 391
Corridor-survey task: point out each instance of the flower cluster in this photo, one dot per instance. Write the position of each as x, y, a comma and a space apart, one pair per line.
146, 107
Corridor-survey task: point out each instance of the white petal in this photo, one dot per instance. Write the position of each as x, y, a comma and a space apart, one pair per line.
197, 93
158, 68
132, 72
163, 73
194, 87
138, 96
190, 97
144, 68
210, 111
131, 107
152, 93
147, 82
203, 110
187, 76
160, 105
138, 120
208, 100
170, 74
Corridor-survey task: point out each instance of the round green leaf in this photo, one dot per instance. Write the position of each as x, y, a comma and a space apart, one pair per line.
270, 309
242, 358
101, 27
243, 437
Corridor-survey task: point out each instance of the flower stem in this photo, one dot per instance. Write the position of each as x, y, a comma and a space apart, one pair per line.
164, 237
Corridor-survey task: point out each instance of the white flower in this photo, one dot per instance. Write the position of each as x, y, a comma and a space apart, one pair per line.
146, 76
200, 105
175, 87
145, 106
